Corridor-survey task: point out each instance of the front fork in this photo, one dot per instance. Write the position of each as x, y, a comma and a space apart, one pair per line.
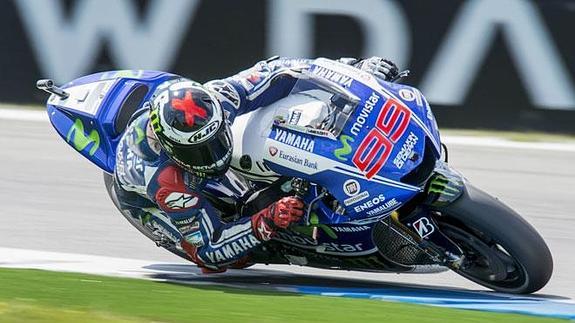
444, 187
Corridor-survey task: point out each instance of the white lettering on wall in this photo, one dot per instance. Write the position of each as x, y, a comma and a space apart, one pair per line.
531, 47
384, 26
65, 48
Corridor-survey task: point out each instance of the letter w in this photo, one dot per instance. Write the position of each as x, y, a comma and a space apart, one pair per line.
66, 49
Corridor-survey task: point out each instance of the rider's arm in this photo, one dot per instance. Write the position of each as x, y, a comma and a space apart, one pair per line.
210, 242
267, 82
258, 86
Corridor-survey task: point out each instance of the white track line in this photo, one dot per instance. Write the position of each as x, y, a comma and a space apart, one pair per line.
23, 115
493, 142
67, 262
111, 266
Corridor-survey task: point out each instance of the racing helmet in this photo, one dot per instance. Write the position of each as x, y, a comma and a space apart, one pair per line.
190, 126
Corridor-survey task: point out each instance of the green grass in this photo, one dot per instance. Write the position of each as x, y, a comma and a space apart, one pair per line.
41, 296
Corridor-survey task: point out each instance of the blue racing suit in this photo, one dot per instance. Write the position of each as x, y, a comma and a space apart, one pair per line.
172, 201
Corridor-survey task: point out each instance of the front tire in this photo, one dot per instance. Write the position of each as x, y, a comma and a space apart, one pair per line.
503, 251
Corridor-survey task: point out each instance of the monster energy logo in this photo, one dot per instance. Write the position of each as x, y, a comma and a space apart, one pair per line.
155, 120
345, 150
77, 137
145, 219
442, 185
140, 134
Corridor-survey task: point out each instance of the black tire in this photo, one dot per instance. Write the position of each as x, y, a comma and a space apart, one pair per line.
480, 220
109, 182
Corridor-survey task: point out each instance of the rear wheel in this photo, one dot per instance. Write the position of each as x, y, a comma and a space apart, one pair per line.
502, 251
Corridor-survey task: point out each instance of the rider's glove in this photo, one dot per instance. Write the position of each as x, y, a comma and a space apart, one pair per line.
379, 67
278, 215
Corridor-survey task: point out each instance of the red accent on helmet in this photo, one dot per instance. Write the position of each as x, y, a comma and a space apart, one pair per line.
189, 108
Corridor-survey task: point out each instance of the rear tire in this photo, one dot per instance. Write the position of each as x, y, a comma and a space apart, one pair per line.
504, 252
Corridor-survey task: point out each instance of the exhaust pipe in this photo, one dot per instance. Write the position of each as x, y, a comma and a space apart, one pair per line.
48, 86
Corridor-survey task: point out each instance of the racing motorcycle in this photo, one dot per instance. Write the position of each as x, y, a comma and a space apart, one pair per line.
366, 157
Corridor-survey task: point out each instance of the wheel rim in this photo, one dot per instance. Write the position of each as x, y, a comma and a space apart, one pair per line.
487, 262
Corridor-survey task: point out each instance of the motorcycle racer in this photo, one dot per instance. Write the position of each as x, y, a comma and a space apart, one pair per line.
181, 144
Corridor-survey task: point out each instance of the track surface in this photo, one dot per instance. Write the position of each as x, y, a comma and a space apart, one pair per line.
52, 199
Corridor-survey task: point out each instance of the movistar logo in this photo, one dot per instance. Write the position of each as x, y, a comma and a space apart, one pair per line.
340, 153
77, 137
441, 185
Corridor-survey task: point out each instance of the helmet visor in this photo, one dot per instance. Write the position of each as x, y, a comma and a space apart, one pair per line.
209, 157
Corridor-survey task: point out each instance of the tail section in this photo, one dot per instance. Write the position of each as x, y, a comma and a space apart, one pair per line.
92, 112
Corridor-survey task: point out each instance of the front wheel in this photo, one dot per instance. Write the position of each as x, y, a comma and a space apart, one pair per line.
502, 251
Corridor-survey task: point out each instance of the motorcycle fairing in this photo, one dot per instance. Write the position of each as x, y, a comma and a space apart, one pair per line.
335, 163
94, 116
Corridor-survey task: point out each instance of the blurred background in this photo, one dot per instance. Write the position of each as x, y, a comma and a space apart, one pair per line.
486, 64
482, 64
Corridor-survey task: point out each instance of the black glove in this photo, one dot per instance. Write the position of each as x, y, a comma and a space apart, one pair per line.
379, 67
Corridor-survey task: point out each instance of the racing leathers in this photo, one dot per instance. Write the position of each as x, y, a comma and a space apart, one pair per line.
175, 203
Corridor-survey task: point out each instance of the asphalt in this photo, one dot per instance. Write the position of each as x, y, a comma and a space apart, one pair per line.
52, 199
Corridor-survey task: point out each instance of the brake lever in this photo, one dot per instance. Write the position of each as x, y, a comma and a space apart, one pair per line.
402, 74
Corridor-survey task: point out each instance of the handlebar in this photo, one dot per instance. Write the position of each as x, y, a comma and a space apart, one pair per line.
48, 86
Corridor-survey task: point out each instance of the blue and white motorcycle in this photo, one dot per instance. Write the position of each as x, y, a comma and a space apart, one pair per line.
366, 157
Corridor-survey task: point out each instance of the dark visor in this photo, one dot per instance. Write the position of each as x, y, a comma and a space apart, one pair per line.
205, 154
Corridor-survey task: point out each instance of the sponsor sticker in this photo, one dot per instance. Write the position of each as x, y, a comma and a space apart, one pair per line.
352, 229
297, 160
195, 239
204, 133
184, 221
180, 201
376, 205
411, 95
194, 226
351, 187
300, 141
273, 150
386, 206
343, 151
331, 75
233, 249
406, 150
364, 113
356, 198
294, 117
423, 227
324, 247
